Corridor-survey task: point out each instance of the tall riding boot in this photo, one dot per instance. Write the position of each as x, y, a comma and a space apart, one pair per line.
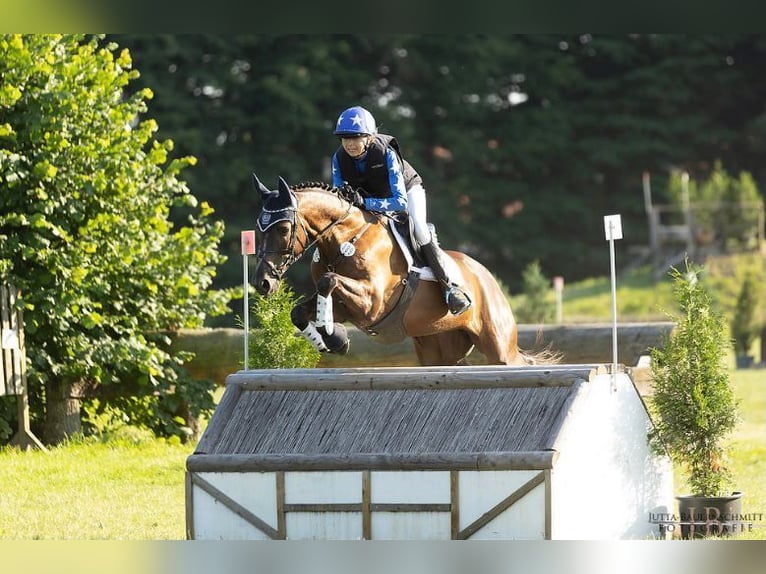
457, 300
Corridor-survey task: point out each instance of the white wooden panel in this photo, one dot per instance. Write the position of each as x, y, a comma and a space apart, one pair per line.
324, 525
323, 487
214, 521
606, 480
482, 490
525, 520
255, 491
414, 487
411, 526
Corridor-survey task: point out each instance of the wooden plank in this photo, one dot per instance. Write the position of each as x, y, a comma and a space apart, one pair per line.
411, 507
189, 496
366, 503
324, 507
217, 349
501, 507
454, 488
592, 342
535, 460
14, 366
412, 378
281, 521
548, 505
8, 386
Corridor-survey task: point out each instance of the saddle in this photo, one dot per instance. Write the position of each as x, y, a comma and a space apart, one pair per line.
390, 329
402, 230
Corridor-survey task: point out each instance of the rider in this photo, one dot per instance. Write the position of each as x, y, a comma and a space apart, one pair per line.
372, 165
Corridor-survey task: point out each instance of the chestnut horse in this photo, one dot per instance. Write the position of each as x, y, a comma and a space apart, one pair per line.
363, 277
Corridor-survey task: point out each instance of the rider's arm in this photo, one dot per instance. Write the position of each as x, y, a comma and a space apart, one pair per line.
398, 199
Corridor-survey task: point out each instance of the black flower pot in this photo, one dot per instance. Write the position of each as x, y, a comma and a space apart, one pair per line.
703, 516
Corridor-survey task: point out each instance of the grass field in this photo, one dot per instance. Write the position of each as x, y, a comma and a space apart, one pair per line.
87, 490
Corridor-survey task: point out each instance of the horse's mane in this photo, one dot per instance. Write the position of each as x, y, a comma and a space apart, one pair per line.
314, 185
340, 192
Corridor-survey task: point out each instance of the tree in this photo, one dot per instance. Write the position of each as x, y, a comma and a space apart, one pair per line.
524, 141
537, 305
693, 398
85, 224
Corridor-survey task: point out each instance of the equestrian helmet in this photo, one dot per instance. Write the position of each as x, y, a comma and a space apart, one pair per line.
355, 121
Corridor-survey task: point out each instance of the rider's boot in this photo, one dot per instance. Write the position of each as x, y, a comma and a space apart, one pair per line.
457, 300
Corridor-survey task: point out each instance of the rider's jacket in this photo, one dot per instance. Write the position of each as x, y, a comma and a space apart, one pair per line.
381, 175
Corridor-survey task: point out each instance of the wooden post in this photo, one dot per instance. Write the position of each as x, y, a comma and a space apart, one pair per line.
14, 365
686, 204
653, 217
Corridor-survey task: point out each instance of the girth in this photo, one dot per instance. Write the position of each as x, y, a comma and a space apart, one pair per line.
390, 329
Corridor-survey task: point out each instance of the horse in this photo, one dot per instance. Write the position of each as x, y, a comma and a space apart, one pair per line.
363, 276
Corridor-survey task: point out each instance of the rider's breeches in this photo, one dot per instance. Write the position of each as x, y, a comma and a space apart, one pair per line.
416, 206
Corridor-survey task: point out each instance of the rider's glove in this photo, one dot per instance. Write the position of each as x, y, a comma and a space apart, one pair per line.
354, 197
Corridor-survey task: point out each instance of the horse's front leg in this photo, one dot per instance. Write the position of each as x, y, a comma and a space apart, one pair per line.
302, 317
333, 333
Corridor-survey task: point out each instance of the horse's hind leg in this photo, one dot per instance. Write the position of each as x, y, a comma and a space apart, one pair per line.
448, 348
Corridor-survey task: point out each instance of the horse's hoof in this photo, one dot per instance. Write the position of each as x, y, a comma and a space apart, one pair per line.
343, 349
338, 342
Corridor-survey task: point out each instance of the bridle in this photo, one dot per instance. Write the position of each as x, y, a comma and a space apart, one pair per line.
289, 255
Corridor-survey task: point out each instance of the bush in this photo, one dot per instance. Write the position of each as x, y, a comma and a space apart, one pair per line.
537, 305
693, 400
273, 342
746, 324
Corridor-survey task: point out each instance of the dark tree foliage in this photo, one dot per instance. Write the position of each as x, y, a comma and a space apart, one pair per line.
525, 142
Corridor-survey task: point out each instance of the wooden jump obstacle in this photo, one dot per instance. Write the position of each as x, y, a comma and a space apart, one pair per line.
430, 453
13, 366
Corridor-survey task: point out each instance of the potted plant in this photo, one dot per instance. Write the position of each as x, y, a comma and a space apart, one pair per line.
745, 325
694, 406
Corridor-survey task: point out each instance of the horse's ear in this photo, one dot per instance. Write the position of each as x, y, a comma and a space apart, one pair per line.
262, 189
286, 196
283, 187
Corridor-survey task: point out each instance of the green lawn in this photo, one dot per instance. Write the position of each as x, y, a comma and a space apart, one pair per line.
120, 490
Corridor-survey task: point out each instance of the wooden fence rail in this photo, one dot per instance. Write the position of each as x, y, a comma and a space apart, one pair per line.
13, 367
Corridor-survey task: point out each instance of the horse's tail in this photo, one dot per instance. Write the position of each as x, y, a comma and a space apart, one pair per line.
544, 356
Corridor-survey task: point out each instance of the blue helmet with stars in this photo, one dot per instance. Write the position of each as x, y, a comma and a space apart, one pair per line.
355, 121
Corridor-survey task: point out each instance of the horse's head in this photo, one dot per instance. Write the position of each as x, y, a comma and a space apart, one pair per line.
277, 224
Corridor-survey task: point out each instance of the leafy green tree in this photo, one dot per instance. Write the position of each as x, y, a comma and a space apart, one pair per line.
524, 141
85, 225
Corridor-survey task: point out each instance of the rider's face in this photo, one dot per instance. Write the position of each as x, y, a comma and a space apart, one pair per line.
355, 146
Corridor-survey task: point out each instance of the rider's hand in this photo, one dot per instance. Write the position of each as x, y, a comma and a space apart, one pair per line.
354, 197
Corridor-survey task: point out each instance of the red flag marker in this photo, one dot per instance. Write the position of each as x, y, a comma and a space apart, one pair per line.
248, 242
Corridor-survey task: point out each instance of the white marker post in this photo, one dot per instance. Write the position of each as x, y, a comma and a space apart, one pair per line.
247, 239
558, 288
613, 230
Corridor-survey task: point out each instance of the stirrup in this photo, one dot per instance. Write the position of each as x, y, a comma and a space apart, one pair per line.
457, 301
